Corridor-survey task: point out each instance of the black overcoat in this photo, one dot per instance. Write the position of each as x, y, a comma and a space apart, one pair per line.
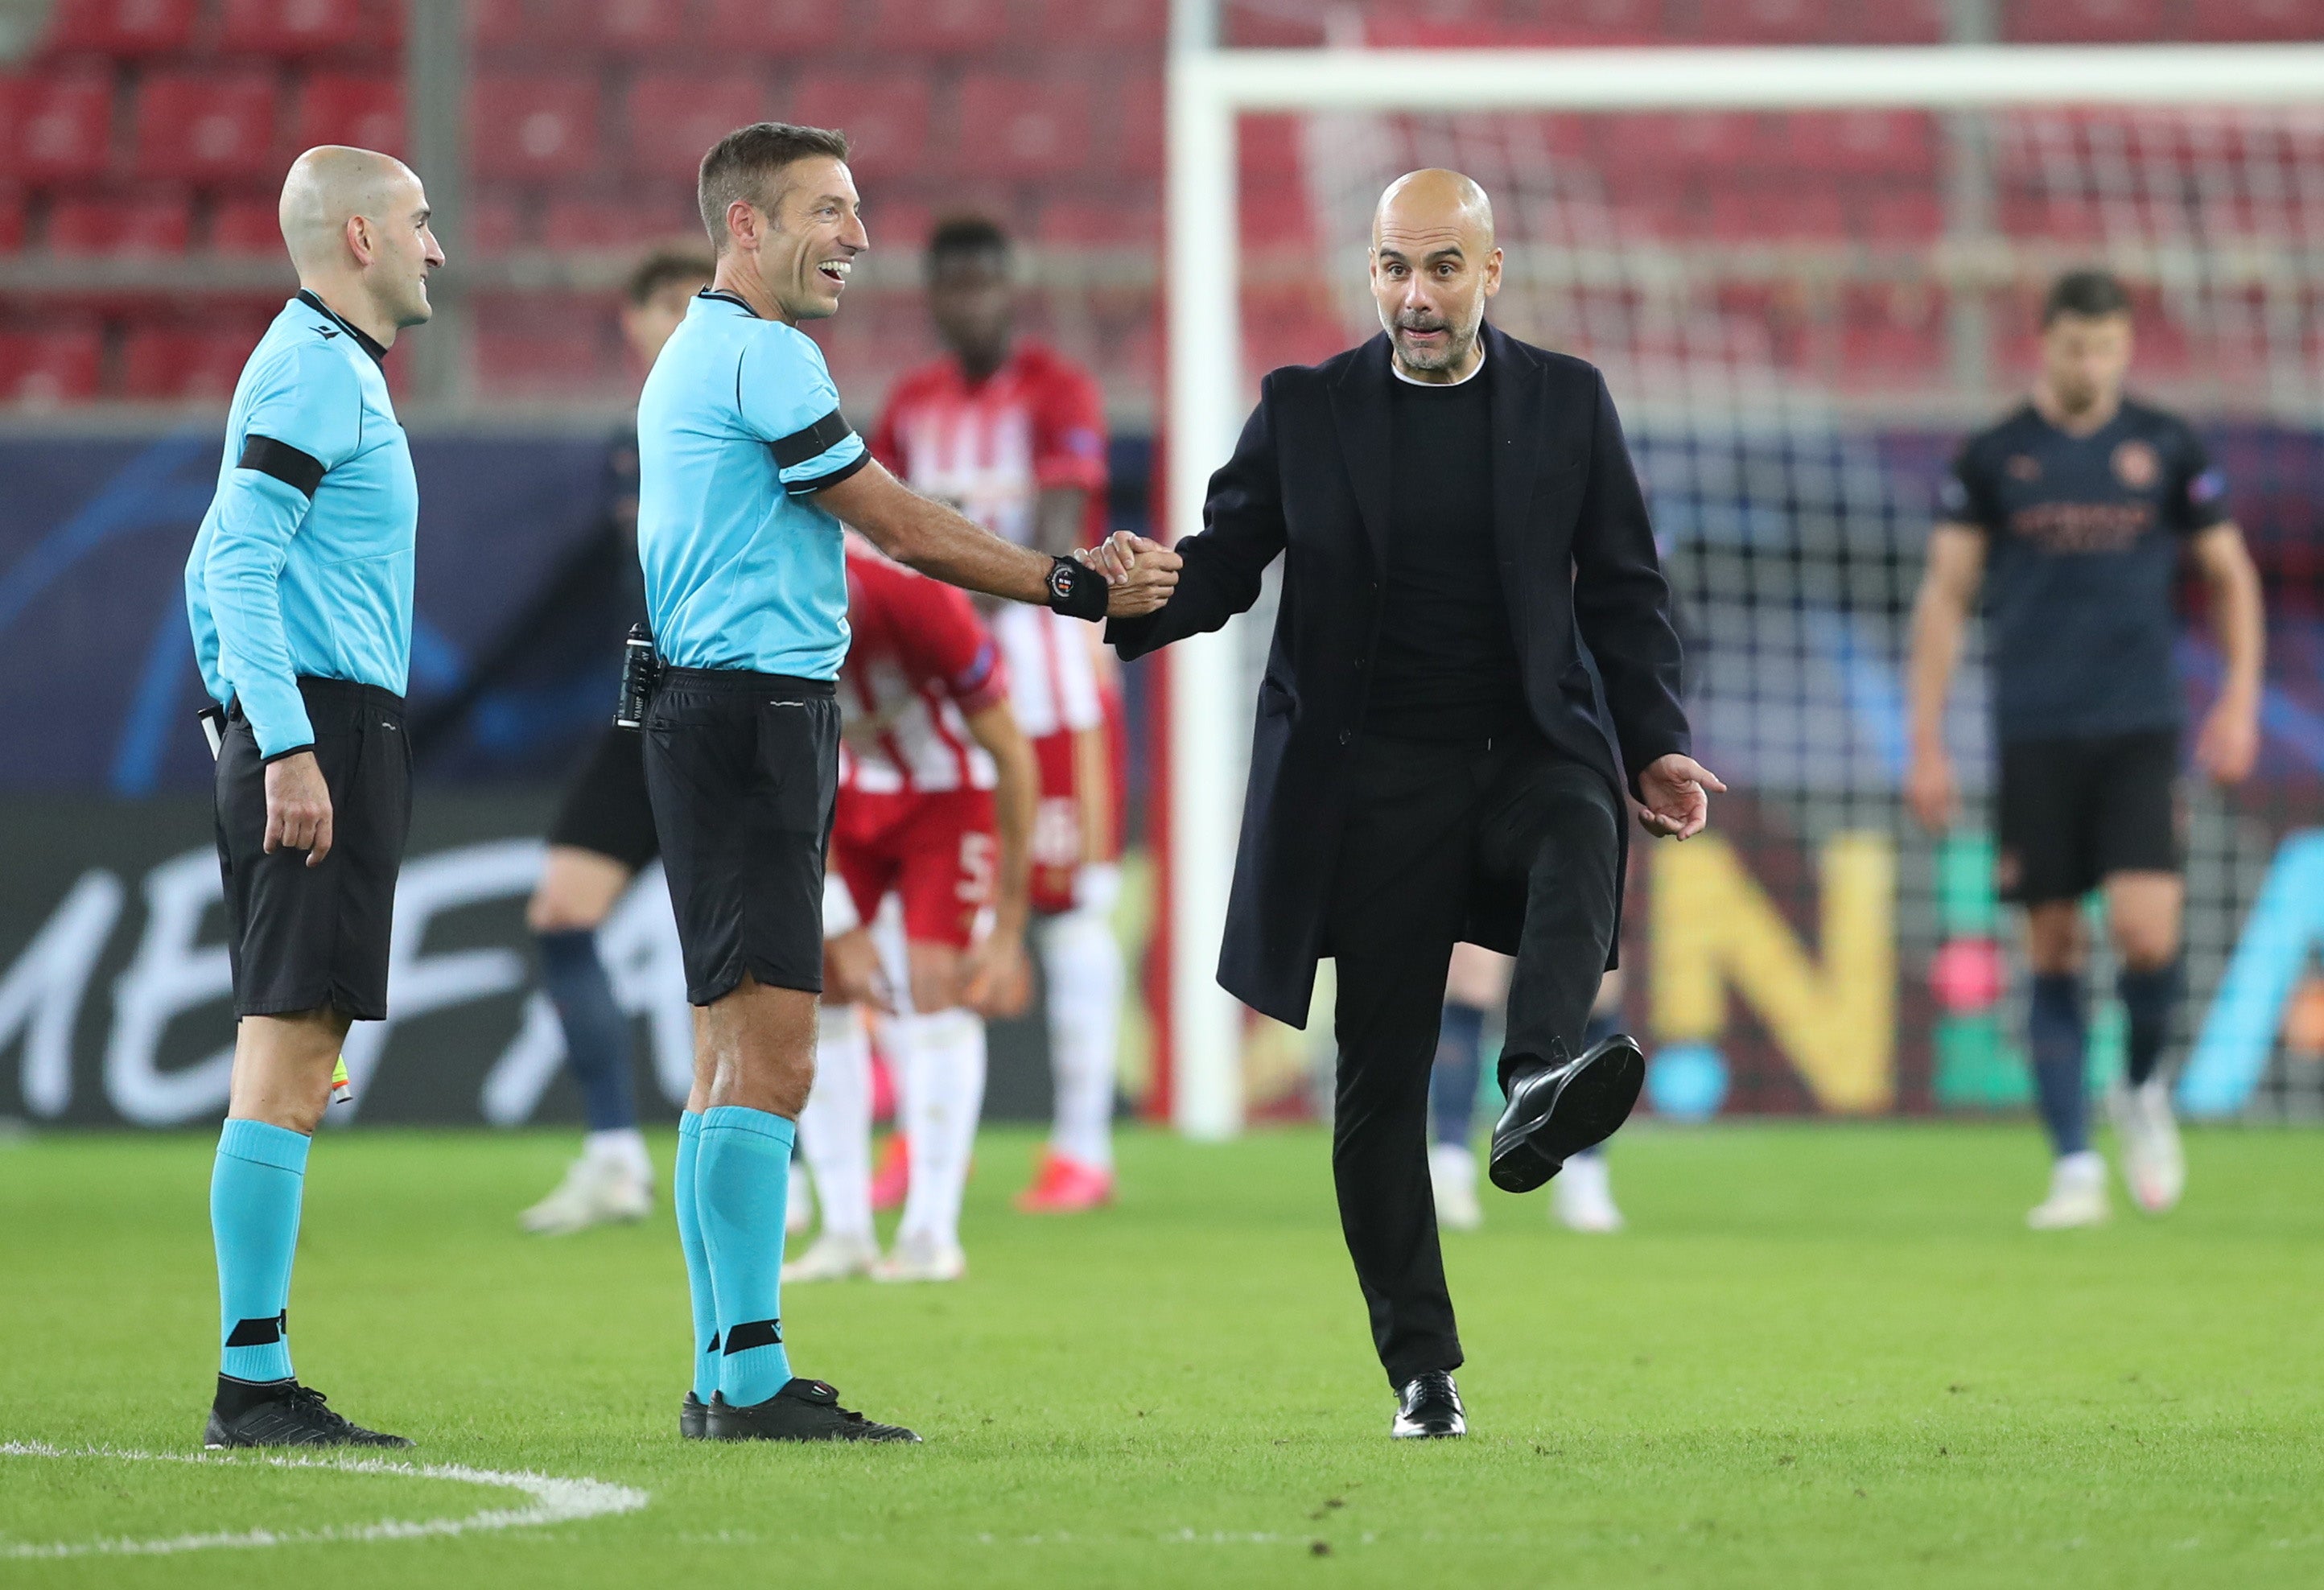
1309, 479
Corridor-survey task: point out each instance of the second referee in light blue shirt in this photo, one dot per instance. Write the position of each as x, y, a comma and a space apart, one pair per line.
747, 466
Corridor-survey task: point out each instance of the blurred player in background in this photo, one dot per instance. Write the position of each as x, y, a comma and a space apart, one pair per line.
1013, 434
2072, 512
937, 788
604, 835
1476, 985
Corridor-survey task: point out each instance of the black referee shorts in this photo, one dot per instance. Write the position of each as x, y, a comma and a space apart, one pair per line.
301, 937
743, 772
606, 809
2071, 812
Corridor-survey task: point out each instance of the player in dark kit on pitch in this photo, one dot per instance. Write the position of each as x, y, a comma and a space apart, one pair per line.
2073, 512
604, 835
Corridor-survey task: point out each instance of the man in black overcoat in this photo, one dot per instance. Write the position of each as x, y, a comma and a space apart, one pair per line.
1463, 539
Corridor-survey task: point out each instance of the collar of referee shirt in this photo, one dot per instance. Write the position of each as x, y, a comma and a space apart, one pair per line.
735, 299
364, 339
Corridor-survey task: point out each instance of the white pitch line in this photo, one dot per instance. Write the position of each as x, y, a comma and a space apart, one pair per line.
554, 1502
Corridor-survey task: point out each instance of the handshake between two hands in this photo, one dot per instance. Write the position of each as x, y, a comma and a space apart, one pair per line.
1140, 573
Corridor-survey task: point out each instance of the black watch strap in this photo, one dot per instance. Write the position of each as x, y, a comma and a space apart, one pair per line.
1076, 590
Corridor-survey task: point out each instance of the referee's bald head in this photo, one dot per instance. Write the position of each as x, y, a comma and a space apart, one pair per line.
354, 214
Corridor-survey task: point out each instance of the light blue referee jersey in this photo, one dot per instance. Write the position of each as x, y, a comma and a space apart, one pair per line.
303, 564
738, 427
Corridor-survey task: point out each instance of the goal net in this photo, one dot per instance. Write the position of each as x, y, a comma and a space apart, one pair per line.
1800, 307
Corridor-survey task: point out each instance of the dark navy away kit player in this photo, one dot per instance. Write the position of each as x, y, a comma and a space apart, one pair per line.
747, 467
299, 590
604, 835
2073, 512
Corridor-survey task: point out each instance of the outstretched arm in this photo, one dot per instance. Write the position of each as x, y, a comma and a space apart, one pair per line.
1244, 533
924, 535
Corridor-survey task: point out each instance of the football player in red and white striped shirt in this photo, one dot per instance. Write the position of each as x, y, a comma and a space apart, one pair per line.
936, 787
1013, 434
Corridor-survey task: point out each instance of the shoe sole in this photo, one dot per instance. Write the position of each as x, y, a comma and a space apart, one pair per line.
1588, 1108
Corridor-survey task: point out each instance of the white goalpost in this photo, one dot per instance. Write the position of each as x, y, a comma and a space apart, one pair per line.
1210, 389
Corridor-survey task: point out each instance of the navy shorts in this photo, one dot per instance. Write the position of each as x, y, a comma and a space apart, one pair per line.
2071, 812
606, 809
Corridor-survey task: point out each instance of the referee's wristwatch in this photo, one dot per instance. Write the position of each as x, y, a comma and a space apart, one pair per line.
1076, 590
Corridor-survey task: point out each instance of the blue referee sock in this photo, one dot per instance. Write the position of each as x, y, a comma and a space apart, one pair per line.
2057, 1028
1453, 1081
2148, 1000
699, 1295
742, 1178
597, 1042
255, 1187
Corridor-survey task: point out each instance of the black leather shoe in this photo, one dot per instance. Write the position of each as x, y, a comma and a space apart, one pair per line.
803, 1410
1429, 1407
694, 1417
294, 1417
1557, 1111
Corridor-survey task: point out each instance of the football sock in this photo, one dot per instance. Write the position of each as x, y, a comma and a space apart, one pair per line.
683, 1184
596, 1034
2148, 1001
1452, 1080
742, 1182
1081, 961
942, 1059
835, 1126
2056, 1025
255, 1187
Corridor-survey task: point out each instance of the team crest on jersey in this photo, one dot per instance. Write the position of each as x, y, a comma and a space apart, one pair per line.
2024, 466
2137, 466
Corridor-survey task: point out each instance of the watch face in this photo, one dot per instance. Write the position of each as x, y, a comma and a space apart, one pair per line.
1061, 579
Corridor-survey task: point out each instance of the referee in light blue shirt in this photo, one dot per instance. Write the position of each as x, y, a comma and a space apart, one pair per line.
298, 592
746, 469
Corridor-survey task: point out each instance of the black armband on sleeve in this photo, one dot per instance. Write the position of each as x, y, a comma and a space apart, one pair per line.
823, 483
1076, 590
825, 433
302, 472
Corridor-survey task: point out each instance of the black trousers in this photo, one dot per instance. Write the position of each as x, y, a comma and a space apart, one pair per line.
1427, 824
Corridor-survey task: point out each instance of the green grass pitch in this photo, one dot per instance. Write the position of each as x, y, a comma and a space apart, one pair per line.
1821, 1356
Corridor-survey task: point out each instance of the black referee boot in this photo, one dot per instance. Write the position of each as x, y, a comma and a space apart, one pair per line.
1557, 1111
282, 1413
694, 1417
803, 1410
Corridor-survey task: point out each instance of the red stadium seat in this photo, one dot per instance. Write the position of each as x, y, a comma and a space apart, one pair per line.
787, 28
246, 225
1884, 143
497, 25
1023, 126
613, 223
951, 27
64, 127
885, 117
899, 226
1905, 215
532, 126
1273, 212
157, 222
12, 218
1136, 145
543, 347
293, 27
340, 108
165, 363
2083, 21
1128, 222
1891, 22
1766, 22
631, 26
1752, 213
496, 225
122, 27
674, 118
1648, 147
2224, 20
1129, 23
194, 124
41, 368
